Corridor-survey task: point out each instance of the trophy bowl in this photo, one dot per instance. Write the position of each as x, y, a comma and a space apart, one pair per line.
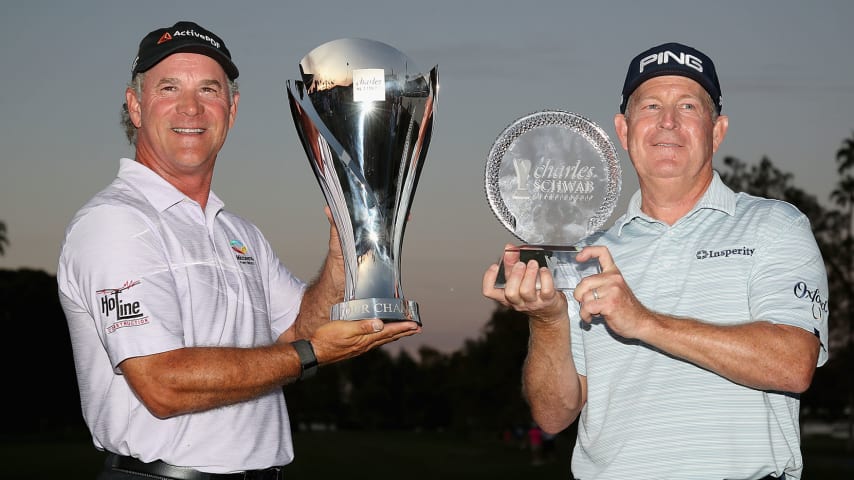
363, 111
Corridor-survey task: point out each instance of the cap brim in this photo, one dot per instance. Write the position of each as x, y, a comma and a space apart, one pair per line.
225, 62
702, 80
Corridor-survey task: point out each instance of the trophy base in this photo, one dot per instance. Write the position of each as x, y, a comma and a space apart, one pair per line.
386, 309
565, 269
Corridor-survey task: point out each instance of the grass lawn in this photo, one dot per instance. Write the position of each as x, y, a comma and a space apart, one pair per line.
378, 456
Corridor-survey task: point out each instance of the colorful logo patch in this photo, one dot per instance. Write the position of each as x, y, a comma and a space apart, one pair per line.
239, 247
242, 251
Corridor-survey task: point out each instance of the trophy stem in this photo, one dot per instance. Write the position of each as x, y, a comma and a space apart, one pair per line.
386, 309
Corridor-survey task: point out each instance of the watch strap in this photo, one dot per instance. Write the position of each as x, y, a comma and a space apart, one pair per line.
307, 359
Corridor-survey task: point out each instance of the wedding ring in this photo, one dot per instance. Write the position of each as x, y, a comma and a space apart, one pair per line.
595, 294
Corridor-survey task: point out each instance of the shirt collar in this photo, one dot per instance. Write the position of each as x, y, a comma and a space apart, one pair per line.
717, 197
160, 193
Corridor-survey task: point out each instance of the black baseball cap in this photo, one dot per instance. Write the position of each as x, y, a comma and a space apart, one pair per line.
672, 59
182, 37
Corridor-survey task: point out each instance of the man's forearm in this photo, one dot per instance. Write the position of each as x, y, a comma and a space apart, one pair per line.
316, 302
550, 383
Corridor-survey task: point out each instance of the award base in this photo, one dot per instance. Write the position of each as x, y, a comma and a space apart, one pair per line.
560, 260
386, 309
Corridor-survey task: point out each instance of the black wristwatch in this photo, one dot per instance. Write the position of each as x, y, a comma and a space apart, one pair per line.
306, 358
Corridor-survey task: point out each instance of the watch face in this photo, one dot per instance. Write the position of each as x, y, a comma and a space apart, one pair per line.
552, 178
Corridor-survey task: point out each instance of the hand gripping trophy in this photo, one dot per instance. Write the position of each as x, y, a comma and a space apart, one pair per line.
364, 113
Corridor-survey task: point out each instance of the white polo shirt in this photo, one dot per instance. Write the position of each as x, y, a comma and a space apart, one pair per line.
733, 259
144, 270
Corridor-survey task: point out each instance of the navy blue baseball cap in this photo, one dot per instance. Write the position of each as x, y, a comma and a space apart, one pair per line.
672, 59
182, 37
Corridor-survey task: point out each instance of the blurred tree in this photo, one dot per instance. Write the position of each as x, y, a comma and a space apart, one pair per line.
317, 403
373, 388
433, 401
4, 240
486, 375
38, 400
843, 195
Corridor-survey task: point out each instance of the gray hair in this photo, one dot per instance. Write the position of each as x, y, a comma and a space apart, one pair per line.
136, 84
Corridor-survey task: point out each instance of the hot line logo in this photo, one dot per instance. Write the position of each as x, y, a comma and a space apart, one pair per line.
127, 313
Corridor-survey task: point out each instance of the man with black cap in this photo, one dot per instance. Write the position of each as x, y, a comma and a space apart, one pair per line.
184, 323
685, 357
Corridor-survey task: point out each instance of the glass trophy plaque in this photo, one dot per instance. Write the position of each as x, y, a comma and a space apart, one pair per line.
552, 178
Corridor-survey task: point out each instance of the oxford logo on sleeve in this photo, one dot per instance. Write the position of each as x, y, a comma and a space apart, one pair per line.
117, 306
819, 302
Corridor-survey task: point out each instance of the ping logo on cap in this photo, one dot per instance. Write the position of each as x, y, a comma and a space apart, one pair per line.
661, 58
672, 59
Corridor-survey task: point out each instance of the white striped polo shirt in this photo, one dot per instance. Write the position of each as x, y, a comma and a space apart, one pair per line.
734, 258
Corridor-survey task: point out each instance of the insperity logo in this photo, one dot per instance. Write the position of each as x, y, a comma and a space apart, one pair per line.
115, 305
726, 253
242, 252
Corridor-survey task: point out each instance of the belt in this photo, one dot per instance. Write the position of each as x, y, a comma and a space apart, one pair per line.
164, 470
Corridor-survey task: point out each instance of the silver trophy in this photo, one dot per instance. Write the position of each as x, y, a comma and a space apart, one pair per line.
552, 178
364, 113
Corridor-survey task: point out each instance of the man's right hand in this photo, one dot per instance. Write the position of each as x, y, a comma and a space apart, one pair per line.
520, 290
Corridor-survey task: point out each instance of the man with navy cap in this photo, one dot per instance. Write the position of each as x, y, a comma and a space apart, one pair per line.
184, 323
685, 357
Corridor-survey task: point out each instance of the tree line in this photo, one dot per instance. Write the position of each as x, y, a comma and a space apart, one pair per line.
474, 389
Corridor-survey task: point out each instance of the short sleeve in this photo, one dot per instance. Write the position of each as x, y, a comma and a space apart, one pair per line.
113, 266
789, 285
